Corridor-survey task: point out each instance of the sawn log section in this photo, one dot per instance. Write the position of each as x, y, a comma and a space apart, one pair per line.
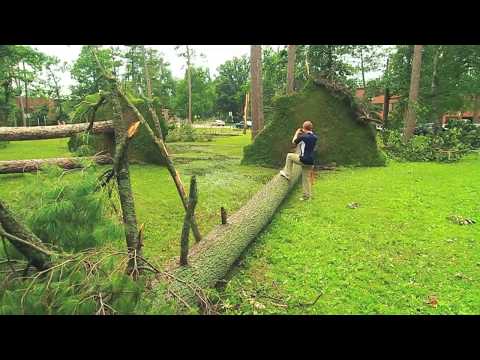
21, 166
211, 259
52, 132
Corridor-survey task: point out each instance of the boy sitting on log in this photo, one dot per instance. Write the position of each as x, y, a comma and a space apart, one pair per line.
307, 140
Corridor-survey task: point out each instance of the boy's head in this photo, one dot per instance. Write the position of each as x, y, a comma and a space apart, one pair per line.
307, 126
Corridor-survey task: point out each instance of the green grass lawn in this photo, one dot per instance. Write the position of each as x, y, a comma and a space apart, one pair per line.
395, 254
221, 182
390, 255
35, 149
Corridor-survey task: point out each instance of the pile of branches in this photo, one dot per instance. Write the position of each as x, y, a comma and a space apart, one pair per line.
89, 282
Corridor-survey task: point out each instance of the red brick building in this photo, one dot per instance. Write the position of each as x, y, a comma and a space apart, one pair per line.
394, 99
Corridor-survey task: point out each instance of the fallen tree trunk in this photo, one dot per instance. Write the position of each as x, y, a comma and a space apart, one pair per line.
52, 132
22, 166
23, 239
210, 260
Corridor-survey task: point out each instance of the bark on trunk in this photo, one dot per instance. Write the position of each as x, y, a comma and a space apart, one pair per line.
363, 69
257, 89
52, 132
245, 112
189, 76
476, 109
386, 107
410, 116
212, 259
291, 69
124, 185
171, 168
192, 202
23, 166
434, 118
23, 239
26, 92
148, 82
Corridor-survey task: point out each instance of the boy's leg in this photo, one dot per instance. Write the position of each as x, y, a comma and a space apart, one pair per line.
291, 159
307, 187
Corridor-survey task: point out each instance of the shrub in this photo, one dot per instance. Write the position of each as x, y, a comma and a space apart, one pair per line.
83, 144
66, 211
75, 288
443, 146
187, 133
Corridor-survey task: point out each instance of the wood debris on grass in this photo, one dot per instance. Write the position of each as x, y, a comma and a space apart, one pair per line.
460, 220
353, 205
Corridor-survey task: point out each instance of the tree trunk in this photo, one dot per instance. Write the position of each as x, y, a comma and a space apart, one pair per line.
410, 117
307, 64
26, 92
433, 89
171, 168
476, 109
52, 132
23, 239
291, 69
23, 166
257, 89
363, 68
210, 260
189, 77
124, 184
386, 97
189, 215
151, 108
386, 107
245, 113
330, 73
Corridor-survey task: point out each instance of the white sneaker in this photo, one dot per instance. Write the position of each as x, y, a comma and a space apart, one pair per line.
284, 174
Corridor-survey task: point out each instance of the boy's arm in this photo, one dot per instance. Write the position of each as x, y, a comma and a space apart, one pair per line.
296, 138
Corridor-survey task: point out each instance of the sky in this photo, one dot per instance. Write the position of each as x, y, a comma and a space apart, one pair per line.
214, 55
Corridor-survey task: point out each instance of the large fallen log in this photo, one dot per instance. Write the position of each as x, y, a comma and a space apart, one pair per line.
22, 166
23, 239
52, 132
210, 260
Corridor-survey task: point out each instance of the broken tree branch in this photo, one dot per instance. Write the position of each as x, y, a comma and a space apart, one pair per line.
192, 202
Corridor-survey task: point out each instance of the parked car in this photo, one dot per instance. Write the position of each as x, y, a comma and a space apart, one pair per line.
424, 129
239, 125
219, 123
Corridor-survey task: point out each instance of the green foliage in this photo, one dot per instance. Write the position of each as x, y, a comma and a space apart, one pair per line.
203, 94
20, 67
77, 287
342, 139
85, 72
3, 144
443, 146
67, 212
84, 144
187, 133
231, 85
450, 74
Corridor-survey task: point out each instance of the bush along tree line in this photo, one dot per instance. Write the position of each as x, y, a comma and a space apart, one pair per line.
431, 80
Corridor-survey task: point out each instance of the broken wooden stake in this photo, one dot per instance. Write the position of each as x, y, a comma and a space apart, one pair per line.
223, 213
192, 202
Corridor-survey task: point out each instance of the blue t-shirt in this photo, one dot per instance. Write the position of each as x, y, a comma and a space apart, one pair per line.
307, 143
